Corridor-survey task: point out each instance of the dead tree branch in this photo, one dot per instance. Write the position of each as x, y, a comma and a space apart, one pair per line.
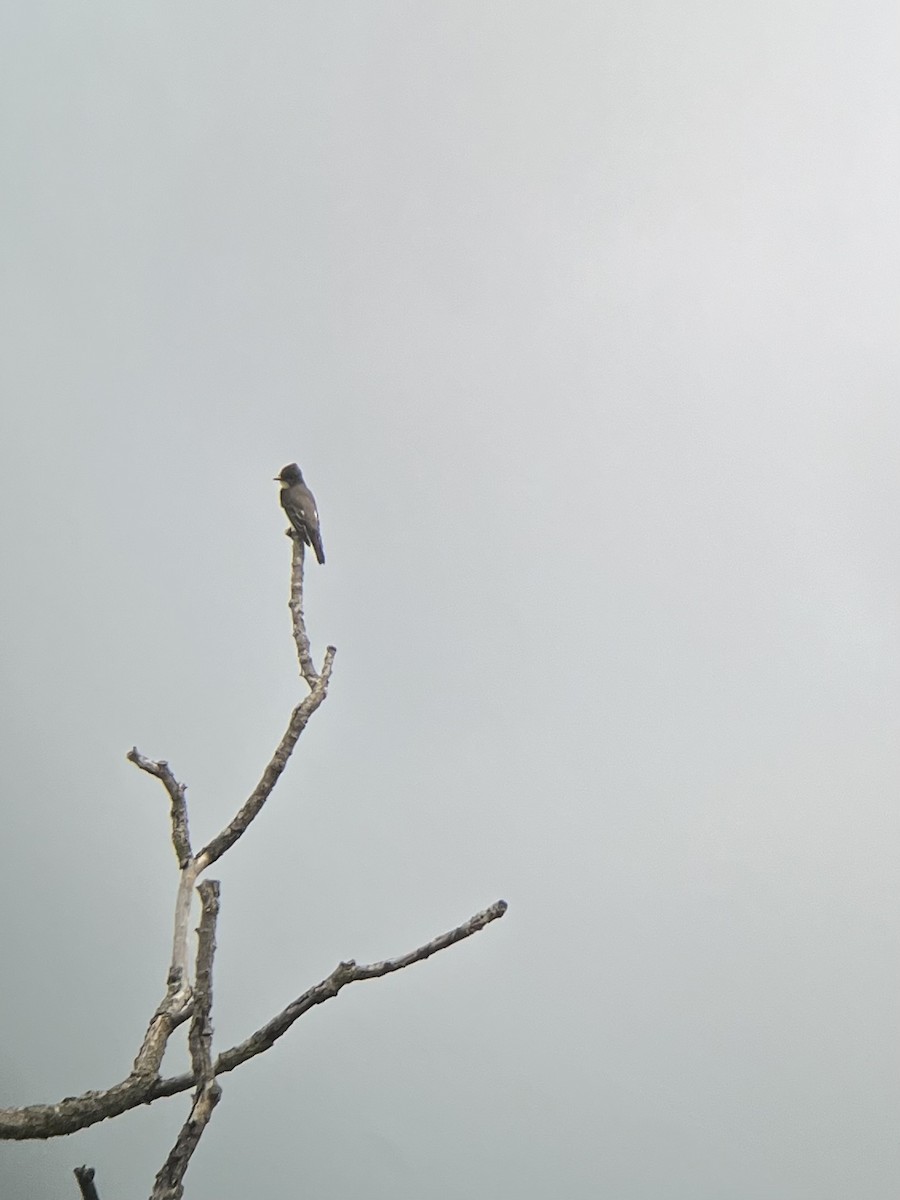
295, 604
189, 992
79, 1112
169, 1184
181, 839
344, 973
85, 1177
279, 760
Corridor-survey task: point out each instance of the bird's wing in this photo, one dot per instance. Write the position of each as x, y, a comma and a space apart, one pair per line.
294, 512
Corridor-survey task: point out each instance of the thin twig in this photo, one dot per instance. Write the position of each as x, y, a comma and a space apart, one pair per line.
253, 804
295, 604
181, 838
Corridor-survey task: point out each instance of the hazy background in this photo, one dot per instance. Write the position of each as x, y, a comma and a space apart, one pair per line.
582, 320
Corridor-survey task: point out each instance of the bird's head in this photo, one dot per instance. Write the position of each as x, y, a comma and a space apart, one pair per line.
289, 474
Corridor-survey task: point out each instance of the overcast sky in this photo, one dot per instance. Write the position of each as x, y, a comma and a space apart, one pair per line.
582, 321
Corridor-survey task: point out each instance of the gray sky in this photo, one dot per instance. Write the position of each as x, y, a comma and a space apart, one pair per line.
582, 322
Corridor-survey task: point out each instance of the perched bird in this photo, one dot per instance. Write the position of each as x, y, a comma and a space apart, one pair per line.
300, 505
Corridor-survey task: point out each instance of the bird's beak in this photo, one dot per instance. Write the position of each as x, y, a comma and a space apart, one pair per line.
276, 479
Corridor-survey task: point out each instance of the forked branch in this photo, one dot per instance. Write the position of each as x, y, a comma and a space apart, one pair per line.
79, 1112
169, 1184
188, 993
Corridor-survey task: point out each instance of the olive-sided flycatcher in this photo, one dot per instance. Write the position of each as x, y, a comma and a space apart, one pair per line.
300, 505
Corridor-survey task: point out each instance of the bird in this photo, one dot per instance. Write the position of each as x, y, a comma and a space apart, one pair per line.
300, 505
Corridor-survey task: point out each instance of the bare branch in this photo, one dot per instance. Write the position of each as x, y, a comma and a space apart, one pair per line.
169, 1184
175, 1006
39, 1121
200, 1035
344, 973
295, 604
153, 1047
181, 838
85, 1177
185, 999
79, 1112
441, 942
260, 794
179, 973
